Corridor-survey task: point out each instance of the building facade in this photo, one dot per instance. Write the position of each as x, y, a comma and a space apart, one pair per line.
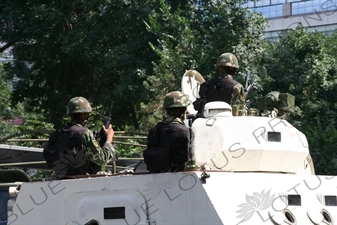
320, 15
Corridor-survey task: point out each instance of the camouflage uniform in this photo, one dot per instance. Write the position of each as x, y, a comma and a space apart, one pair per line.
170, 137
224, 87
238, 101
95, 156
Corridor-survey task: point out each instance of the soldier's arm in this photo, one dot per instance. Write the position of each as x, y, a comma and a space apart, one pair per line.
238, 99
95, 153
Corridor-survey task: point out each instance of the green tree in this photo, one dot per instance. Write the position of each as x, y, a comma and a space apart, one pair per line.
96, 49
4, 95
302, 63
322, 144
193, 38
33, 125
100, 50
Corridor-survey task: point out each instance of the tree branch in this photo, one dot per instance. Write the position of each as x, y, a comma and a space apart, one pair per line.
6, 46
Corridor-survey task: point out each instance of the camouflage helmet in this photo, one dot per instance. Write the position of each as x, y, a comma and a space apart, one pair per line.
78, 105
227, 59
175, 99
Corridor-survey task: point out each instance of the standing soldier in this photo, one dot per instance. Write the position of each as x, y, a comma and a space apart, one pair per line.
168, 140
73, 150
223, 87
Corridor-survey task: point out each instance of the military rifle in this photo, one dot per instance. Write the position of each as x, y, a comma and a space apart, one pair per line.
248, 90
191, 158
106, 122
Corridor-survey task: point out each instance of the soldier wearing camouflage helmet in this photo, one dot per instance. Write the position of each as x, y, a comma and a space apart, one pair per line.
169, 137
223, 87
82, 142
175, 99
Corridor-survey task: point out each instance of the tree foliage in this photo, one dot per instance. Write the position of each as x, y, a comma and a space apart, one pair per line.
100, 50
302, 63
4, 95
96, 49
195, 37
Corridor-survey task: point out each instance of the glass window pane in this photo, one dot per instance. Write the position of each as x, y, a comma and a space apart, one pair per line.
273, 2
331, 27
272, 14
317, 3
298, 8
258, 3
294, 8
308, 4
321, 29
251, 4
309, 9
301, 4
301, 10
265, 2
265, 10
279, 10
310, 29
258, 10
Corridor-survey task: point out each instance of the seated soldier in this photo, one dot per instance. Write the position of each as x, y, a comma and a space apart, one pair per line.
73, 150
168, 140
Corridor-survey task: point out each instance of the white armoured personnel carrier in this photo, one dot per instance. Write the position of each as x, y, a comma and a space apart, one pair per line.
250, 170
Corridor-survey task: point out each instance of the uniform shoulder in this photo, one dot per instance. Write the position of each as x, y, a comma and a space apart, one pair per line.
238, 85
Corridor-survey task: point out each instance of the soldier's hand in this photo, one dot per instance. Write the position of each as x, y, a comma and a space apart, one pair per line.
109, 133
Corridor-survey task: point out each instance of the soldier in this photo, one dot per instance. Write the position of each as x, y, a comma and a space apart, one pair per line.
168, 140
83, 155
223, 87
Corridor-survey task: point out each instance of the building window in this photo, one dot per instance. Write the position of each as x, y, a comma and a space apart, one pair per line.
274, 2
273, 8
262, 3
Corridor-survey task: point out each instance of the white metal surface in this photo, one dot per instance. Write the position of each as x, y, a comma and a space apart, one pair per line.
218, 109
250, 144
178, 198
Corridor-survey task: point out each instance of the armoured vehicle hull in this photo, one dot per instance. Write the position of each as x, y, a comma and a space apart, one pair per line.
179, 198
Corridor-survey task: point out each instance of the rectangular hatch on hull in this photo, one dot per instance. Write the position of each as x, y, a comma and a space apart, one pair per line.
294, 200
114, 213
274, 136
330, 200
107, 207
